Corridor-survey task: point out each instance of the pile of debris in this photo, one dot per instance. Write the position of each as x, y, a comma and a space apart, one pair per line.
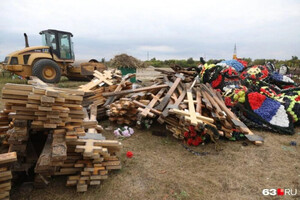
107, 81
126, 61
48, 127
181, 106
259, 95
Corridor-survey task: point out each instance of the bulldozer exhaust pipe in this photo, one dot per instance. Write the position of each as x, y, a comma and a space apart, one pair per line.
26, 40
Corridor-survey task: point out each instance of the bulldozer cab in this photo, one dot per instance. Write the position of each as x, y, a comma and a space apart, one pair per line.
60, 43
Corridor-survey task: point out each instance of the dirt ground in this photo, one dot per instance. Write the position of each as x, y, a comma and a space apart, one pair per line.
162, 169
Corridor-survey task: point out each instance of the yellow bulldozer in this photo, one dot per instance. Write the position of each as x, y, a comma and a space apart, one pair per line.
50, 61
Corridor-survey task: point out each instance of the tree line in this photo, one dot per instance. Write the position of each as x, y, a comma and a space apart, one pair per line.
294, 62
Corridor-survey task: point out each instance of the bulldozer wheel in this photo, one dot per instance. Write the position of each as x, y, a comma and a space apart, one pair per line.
47, 70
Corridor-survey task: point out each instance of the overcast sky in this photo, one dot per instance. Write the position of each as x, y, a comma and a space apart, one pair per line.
166, 29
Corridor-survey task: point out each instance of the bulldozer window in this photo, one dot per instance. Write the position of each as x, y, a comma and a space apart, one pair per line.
65, 47
49, 39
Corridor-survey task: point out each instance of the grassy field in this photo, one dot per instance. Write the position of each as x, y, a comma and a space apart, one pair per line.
162, 169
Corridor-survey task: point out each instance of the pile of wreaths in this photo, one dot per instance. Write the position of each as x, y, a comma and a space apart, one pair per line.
261, 97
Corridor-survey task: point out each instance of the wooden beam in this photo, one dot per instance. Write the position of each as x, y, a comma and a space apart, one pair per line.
124, 92
8, 157
167, 97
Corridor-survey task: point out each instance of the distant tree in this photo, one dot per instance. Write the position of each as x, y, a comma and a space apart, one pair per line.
294, 58
153, 59
248, 60
190, 61
259, 62
103, 60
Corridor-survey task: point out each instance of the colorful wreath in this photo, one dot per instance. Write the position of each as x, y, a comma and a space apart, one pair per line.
255, 73
269, 111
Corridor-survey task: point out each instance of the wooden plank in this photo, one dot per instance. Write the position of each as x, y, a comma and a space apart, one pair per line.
167, 97
14, 101
15, 92
144, 106
200, 117
199, 101
118, 88
146, 111
192, 110
8, 157
46, 99
59, 149
124, 92
5, 173
176, 104
44, 161
22, 87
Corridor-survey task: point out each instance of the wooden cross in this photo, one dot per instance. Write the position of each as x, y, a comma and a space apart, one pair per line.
182, 95
118, 88
212, 99
144, 112
100, 77
89, 149
167, 97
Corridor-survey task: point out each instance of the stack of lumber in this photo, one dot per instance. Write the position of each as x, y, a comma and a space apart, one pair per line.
4, 123
45, 106
73, 145
123, 111
96, 158
89, 158
6, 159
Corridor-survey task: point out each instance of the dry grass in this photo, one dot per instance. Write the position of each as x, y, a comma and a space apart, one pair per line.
162, 169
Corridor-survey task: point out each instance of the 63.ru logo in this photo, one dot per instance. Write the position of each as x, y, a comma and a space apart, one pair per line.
279, 192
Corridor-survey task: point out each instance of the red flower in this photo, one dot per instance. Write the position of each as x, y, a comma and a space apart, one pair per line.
129, 154
298, 98
228, 101
243, 62
199, 139
192, 128
190, 141
288, 86
216, 82
256, 99
196, 142
186, 134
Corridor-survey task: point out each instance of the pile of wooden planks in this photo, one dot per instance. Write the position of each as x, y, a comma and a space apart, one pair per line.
4, 123
6, 159
123, 111
72, 136
46, 107
97, 158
